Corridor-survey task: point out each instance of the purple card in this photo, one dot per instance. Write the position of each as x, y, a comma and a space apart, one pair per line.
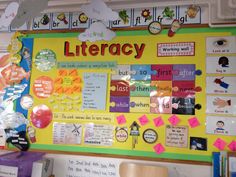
119, 104
184, 72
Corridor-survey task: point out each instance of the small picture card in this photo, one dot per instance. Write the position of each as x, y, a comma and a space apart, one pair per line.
220, 125
221, 64
221, 105
60, 20
142, 17
42, 22
165, 15
197, 143
221, 44
190, 14
124, 20
79, 20
221, 85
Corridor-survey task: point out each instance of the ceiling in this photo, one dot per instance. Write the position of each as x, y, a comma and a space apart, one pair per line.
74, 5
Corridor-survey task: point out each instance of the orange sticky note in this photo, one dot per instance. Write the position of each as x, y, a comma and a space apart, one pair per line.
62, 72
73, 72
68, 90
59, 89
58, 80
76, 89
76, 80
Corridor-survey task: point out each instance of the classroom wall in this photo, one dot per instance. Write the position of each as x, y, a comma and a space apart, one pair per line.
61, 165
175, 169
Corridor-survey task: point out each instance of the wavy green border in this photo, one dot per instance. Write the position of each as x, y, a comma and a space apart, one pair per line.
165, 155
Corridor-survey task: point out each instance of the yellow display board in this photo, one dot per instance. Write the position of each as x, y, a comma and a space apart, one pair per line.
85, 84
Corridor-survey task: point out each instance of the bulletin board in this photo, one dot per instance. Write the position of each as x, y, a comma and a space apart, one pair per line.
138, 94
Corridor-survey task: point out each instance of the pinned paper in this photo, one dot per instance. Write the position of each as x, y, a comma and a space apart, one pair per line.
2, 138
143, 120
121, 119
220, 144
97, 31
8, 15
193, 122
97, 9
174, 120
159, 148
28, 9
232, 146
158, 121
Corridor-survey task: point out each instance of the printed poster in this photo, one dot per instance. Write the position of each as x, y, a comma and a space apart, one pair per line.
67, 133
177, 136
99, 135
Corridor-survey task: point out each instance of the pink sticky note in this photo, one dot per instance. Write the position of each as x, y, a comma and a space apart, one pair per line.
143, 120
158, 121
193, 122
159, 148
232, 146
174, 120
121, 119
220, 144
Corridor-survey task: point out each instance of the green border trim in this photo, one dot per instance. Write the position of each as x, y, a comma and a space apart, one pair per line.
173, 156
139, 32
